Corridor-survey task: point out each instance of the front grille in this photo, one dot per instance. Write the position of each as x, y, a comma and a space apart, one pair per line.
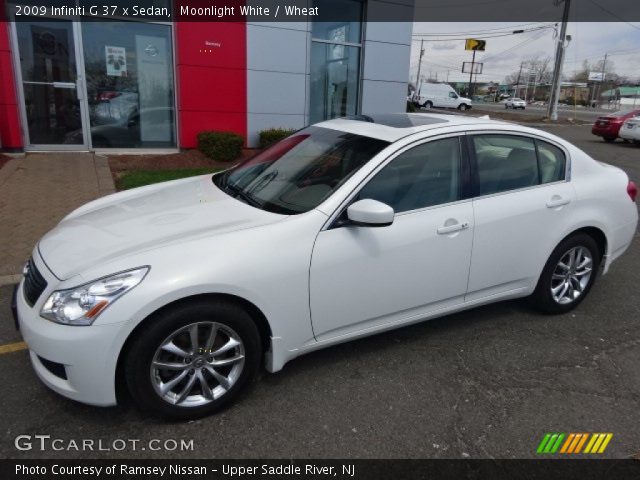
34, 283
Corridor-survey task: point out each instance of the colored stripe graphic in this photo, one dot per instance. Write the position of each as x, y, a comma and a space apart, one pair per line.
550, 443
574, 443
598, 443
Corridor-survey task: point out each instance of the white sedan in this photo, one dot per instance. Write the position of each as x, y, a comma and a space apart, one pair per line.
515, 103
630, 129
348, 228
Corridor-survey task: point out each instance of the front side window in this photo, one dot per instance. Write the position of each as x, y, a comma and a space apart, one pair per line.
423, 176
300, 172
509, 162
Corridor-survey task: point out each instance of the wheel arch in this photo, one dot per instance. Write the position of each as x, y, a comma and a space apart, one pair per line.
264, 329
597, 234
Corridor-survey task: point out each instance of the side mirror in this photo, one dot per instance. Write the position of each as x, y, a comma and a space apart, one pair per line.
370, 213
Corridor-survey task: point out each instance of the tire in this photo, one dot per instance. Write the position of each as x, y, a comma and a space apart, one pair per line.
579, 283
506, 107
609, 139
462, 107
173, 328
428, 105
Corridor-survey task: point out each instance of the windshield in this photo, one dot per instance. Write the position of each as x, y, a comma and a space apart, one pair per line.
298, 173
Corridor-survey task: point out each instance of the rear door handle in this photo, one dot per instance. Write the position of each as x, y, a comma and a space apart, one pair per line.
557, 201
456, 227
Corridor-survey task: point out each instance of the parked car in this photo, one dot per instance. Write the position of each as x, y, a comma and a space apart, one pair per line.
441, 95
515, 103
608, 126
630, 129
350, 227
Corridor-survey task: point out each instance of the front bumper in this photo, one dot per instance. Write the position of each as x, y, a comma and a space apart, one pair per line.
88, 353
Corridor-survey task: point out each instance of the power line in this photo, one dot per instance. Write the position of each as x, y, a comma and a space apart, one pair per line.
496, 30
419, 36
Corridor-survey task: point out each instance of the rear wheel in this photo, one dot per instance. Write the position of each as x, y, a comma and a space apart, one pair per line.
609, 139
192, 360
428, 105
568, 275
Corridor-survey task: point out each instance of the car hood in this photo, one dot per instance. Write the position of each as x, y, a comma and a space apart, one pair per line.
144, 219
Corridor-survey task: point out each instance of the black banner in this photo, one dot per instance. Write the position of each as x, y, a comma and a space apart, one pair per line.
625, 11
548, 469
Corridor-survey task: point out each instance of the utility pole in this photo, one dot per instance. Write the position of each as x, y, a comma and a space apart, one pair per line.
419, 67
473, 61
604, 64
515, 90
552, 112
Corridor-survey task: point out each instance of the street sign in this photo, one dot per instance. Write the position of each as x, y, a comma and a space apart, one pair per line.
472, 67
475, 44
596, 76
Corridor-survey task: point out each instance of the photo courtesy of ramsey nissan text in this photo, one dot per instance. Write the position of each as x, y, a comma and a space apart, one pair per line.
353, 239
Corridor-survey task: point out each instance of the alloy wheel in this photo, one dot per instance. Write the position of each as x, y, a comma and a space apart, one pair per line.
197, 364
572, 275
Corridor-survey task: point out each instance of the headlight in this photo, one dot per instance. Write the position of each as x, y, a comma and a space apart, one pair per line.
81, 305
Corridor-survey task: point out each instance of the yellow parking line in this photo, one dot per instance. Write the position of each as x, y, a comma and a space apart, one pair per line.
12, 347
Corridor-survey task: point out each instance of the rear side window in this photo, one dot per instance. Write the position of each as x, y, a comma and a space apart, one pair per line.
509, 162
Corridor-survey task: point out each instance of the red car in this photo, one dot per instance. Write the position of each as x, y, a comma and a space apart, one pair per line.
608, 126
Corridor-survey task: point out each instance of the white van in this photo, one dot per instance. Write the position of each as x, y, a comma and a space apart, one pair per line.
440, 95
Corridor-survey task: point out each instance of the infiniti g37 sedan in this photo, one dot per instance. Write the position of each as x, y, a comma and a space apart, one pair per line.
180, 291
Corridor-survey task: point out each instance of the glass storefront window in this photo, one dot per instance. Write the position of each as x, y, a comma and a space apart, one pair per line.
334, 81
130, 88
335, 61
339, 31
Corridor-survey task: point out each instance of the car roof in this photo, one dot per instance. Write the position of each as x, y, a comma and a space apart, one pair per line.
394, 126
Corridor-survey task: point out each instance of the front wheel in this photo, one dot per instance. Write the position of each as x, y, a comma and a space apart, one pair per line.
428, 105
192, 360
568, 275
462, 107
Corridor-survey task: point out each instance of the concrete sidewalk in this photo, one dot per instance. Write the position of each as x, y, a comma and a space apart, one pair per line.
36, 192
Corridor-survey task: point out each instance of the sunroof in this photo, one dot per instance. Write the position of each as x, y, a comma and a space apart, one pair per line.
398, 120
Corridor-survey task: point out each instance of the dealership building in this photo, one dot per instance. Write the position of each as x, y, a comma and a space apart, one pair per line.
75, 84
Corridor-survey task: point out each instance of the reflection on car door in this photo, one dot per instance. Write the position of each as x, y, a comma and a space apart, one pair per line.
521, 206
368, 277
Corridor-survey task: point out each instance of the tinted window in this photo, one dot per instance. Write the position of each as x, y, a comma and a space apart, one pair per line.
509, 162
299, 172
552, 162
426, 175
505, 163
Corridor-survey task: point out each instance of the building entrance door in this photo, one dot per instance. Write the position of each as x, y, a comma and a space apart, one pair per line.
52, 94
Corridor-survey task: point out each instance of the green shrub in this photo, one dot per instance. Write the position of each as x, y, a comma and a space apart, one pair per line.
221, 146
272, 135
411, 107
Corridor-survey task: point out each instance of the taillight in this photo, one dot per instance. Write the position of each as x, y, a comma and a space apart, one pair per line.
632, 190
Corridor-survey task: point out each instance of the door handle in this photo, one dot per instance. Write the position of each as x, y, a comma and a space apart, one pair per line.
557, 201
64, 85
456, 227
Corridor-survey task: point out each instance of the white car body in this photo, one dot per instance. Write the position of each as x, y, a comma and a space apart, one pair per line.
515, 103
441, 95
316, 286
630, 129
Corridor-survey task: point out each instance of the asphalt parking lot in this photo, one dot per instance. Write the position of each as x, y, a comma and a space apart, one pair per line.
488, 382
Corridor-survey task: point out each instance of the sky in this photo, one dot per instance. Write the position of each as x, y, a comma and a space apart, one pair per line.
444, 52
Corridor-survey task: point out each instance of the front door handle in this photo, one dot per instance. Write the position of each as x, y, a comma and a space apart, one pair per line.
557, 201
456, 227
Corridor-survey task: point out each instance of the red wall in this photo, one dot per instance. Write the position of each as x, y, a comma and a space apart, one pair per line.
10, 132
211, 65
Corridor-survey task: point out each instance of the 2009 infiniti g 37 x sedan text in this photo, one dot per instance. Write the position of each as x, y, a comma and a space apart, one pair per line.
347, 228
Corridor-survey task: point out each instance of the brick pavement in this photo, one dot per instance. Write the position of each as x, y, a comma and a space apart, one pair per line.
36, 192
